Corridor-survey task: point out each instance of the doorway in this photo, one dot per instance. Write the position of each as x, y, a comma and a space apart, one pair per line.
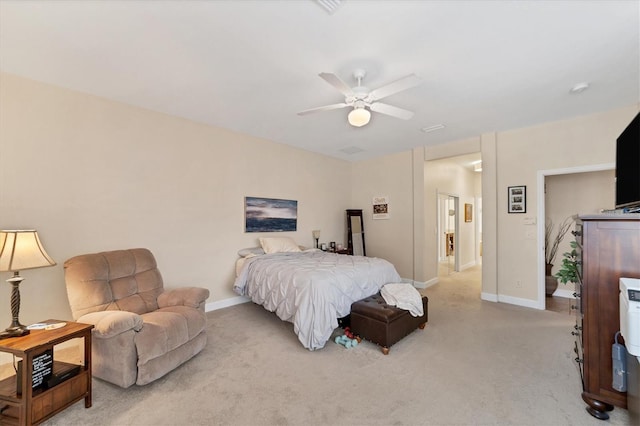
448, 235
453, 211
559, 199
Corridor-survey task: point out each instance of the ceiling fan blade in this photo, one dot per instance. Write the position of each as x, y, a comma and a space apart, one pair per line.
397, 86
391, 110
336, 82
323, 108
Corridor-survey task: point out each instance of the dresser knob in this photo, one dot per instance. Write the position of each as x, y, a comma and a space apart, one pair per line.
574, 307
575, 333
576, 233
576, 295
577, 327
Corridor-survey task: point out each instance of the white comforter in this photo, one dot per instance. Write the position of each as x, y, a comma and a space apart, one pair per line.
312, 289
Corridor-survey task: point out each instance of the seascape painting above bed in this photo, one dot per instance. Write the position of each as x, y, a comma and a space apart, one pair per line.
309, 288
270, 215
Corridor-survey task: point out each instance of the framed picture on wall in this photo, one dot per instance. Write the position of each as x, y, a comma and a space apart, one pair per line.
517, 199
270, 215
468, 212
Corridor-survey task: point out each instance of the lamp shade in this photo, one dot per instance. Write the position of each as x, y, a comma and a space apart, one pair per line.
316, 234
20, 250
359, 117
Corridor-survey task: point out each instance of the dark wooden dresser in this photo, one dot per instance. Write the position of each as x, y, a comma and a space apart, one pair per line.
608, 248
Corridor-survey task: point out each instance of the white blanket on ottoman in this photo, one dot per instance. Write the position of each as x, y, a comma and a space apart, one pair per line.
403, 296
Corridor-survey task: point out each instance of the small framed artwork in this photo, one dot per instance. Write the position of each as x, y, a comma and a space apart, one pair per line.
468, 212
381, 207
517, 199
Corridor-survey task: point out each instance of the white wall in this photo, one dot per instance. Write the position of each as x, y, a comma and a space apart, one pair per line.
92, 175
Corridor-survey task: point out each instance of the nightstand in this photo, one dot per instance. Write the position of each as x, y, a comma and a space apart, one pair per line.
33, 406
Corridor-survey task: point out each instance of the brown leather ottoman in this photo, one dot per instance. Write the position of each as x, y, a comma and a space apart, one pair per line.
373, 319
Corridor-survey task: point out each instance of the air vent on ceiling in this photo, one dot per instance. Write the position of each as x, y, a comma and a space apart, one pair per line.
433, 128
352, 150
330, 5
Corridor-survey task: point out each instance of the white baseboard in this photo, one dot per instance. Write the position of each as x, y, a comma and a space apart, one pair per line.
225, 303
432, 281
417, 284
421, 284
489, 297
468, 265
527, 303
238, 300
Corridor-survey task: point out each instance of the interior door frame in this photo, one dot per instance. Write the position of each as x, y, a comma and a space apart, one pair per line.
456, 229
541, 199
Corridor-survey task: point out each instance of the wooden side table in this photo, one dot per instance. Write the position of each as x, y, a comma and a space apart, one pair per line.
34, 406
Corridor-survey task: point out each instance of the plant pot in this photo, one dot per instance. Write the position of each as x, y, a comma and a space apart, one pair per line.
550, 282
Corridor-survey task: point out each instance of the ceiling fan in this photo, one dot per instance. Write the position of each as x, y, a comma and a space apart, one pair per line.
361, 99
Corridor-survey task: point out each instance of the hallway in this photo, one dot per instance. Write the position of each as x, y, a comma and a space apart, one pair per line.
468, 283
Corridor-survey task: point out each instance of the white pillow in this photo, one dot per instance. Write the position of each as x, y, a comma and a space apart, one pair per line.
278, 245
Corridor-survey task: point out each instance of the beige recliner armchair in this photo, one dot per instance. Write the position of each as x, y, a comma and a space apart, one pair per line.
141, 332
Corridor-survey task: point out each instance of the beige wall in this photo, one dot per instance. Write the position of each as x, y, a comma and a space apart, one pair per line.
489, 217
521, 153
576, 193
447, 177
91, 175
393, 238
510, 244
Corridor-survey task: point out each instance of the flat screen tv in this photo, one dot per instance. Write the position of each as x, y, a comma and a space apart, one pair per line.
628, 167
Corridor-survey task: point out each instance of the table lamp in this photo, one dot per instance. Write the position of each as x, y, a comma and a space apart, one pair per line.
20, 250
316, 236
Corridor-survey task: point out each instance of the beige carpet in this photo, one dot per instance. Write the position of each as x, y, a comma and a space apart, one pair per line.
475, 363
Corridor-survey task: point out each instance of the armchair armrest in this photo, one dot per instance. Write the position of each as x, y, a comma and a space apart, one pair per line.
111, 323
184, 296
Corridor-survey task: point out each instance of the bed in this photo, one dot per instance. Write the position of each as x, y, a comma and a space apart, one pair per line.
311, 288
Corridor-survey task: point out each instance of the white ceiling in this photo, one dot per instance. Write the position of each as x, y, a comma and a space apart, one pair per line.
250, 66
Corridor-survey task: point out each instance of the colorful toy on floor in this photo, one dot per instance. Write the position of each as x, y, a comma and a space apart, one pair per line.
348, 333
346, 342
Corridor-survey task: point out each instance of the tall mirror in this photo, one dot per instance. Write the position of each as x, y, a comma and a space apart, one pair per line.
355, 233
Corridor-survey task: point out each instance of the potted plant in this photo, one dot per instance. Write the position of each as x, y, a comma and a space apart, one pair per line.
551, 244
568, 272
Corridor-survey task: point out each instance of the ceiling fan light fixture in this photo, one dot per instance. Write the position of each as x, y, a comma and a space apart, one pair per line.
359, 117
